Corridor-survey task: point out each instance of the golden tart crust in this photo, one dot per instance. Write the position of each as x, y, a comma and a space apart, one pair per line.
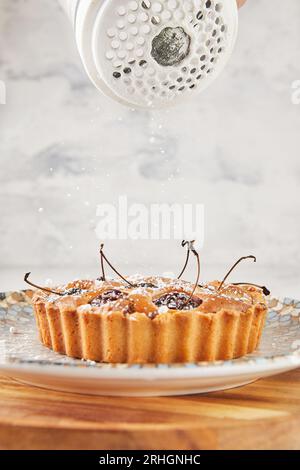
109, 321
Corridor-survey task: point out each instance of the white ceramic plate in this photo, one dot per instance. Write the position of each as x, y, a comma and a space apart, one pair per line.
24, 358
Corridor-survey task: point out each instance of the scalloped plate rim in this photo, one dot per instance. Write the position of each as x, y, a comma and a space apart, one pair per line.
136, 372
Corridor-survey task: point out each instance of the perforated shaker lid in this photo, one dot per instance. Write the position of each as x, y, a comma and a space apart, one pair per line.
157, 53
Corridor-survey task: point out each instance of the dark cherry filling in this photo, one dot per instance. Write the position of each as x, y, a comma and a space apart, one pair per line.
147, 284
73, 291
108, 296
178, 301
129, 309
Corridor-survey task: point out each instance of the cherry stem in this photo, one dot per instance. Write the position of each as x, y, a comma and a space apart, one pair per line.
39, 287
103, 257
263, 288
102, 263
191, 248
233, 267
183, 244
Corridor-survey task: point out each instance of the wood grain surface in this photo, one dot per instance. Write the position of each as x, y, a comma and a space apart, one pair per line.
263, 415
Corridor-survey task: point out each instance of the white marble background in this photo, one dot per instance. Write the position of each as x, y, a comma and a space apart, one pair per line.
64, 148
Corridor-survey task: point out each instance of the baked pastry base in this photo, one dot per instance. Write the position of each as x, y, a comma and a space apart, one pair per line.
175, 336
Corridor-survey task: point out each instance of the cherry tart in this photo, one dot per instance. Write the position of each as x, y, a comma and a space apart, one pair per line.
150, 320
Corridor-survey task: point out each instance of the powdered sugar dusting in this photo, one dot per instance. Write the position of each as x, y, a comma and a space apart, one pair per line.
163, 309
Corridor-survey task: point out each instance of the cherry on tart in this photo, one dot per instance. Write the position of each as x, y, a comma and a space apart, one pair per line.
151, 319
107, 296
178, 301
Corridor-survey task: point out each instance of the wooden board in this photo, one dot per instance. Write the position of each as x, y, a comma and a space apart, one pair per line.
263, 415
